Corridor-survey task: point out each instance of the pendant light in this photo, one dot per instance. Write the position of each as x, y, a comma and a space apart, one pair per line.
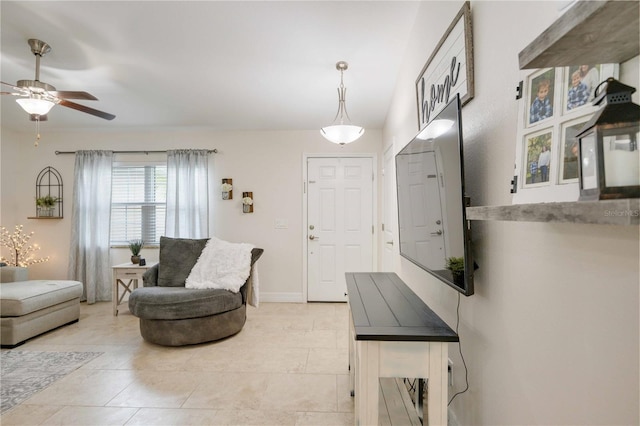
340, 132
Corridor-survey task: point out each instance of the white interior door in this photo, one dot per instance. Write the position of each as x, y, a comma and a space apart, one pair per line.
339, 224
389, 219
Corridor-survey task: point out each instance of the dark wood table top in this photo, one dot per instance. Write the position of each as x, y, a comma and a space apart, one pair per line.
384, 308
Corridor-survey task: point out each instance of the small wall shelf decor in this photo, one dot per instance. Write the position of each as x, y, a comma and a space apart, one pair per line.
590, 32
247, 202
625, 212
227, 189
49, 191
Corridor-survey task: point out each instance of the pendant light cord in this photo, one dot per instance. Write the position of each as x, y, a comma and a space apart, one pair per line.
37, 131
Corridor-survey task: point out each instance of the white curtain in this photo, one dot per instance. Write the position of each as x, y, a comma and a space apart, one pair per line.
187, 193
89, 260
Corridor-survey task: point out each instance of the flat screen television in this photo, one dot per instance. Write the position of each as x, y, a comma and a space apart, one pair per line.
431, 200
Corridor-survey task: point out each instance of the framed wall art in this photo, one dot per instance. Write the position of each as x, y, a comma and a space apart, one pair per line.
449, 70
554, 105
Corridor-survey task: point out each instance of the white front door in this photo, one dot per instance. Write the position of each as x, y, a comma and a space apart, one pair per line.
389, 206
339, 224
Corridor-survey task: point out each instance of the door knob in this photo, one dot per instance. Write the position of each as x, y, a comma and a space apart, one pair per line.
390, 242
439, 232
312, 237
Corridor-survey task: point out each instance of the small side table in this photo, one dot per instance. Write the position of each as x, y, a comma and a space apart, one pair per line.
132, 274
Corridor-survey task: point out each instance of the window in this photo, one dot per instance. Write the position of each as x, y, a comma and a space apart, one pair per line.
138, 202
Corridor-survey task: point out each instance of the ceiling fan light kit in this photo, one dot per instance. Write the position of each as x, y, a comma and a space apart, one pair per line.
340, 132
37, 98
35, 106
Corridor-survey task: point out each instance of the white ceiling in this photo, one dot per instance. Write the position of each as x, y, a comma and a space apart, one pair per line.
228, 65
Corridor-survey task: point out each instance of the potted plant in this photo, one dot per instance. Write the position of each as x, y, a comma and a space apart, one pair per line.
45, 205
456, 266
135, 246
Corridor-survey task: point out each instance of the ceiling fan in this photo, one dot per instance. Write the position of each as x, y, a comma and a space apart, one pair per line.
37, 98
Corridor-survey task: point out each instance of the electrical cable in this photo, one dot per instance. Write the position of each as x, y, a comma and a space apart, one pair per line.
466, 371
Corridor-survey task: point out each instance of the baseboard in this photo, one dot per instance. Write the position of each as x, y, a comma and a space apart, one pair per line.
281, 297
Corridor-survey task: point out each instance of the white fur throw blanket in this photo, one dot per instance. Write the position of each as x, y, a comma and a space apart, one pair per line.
225, 265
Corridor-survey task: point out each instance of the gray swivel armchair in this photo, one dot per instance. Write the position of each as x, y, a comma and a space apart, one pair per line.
172, 315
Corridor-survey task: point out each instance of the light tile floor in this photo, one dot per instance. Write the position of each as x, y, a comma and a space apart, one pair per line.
288, 366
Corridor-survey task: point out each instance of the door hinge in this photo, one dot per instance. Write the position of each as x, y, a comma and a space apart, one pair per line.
383, 226
373, 229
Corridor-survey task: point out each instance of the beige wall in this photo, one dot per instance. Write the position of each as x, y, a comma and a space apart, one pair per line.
267, 163
551, 335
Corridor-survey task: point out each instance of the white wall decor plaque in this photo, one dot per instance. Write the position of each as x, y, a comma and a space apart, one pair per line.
448, 71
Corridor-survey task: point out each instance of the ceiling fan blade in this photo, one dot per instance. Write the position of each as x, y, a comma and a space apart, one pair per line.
86, 109
66, 94
21, 91
13, 86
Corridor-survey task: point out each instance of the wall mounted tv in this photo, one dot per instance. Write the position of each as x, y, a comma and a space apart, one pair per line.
431, 199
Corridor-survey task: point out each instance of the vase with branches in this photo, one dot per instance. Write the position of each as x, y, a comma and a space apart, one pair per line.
21, 252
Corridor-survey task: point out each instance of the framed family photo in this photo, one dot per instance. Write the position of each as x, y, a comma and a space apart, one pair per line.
570, 154
554, 105
538, 161
580, 82
541, 89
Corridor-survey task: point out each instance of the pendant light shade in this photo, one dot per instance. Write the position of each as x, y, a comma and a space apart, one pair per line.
340, 132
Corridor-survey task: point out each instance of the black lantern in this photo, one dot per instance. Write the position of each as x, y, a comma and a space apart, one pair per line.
609, 156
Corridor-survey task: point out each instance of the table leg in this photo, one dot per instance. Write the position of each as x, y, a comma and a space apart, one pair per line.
367, 382
352, 363
437, 384
114, 296
126, 288
420, 385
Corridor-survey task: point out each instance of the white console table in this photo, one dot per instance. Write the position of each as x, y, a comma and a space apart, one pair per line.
394, 334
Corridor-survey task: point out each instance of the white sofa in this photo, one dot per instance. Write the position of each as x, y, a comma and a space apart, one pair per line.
29, 308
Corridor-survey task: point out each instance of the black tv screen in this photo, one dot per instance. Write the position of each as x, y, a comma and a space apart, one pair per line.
433, 228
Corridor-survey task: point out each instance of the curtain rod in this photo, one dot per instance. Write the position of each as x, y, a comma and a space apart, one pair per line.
215, 151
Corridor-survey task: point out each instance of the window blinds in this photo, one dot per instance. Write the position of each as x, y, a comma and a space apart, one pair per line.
138, 203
